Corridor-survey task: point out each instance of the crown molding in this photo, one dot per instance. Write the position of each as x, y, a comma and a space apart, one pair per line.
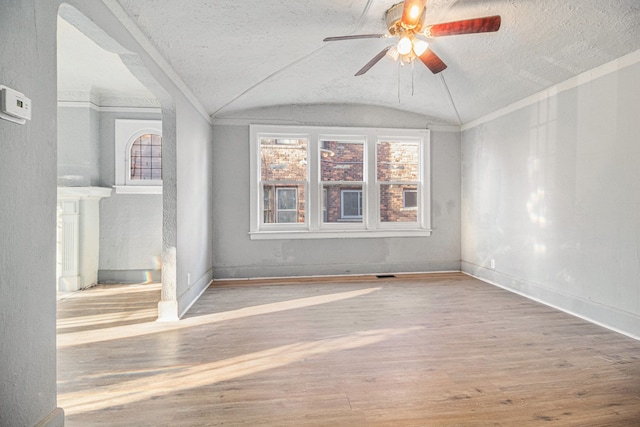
110, 109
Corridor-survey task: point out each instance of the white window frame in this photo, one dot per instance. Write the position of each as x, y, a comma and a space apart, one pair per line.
314, 227
258, 189
404, 200
277, 204
401, 224
360, 199
126, 133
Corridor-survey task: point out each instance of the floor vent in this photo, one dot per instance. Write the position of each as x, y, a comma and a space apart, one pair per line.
385, 276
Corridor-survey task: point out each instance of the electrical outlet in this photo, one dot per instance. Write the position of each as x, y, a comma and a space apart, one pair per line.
188, 278
493, 263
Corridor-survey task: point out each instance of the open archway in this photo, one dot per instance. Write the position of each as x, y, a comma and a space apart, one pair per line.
111, 229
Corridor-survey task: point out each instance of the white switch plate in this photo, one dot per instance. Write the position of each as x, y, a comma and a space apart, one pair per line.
14, 106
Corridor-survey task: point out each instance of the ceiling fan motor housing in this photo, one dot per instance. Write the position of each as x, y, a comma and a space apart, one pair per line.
393, 18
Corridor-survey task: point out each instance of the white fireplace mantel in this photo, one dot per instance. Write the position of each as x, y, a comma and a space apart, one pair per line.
78, 236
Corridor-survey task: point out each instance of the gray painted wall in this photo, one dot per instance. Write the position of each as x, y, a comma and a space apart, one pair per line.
78, 147
195, 240
236, 256
551, 192
130, 237
28, 218
130, 224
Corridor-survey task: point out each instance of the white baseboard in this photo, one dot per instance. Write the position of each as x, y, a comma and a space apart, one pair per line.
54, 419
619, 321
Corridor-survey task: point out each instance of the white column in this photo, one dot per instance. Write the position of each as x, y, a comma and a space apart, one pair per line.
69, 245
78, 236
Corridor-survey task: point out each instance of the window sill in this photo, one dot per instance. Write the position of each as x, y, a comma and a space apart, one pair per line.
337, 234
138, 189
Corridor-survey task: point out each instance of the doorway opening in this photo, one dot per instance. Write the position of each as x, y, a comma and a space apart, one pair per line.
109, 228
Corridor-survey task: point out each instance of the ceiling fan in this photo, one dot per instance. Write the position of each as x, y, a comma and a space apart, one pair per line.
405, 20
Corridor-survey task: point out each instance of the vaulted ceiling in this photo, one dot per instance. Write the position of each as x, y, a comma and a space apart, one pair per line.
237, 55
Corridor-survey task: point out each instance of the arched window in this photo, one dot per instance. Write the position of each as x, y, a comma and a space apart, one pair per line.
146, 158
138, 156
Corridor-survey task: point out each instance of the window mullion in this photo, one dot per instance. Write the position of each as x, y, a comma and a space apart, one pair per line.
370, 189
314, 200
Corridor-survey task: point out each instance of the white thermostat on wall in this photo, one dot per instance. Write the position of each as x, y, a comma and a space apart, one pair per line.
14, 106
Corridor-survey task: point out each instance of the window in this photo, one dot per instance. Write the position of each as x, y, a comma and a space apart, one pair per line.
409, 198
315, 182
397, 166
342, 178
138, 156
351, 204
146, 158
280, 204
283, 179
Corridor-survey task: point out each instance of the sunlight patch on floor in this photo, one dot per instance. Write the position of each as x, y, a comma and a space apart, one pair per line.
105, 318
128, 331
180, 378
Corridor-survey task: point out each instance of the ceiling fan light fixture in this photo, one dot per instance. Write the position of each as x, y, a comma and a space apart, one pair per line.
419, 46
404, 45
393, 53
405, 20
414, 12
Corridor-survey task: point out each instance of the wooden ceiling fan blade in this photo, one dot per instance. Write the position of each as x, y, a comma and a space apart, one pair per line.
373, 61
353, 37
432, 61
487, 24
412, 12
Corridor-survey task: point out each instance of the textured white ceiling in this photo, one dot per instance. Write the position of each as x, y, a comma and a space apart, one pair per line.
237, 55
86, 71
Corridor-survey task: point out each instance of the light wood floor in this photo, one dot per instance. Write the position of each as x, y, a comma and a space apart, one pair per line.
445, 350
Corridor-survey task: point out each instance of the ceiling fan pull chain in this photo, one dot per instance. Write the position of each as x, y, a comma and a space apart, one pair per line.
412, 69
399, 63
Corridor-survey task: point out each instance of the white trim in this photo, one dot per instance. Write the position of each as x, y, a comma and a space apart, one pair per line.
127, 155
558, 307
53, 419
208, 281
314, 227
138, 189
444, 128
78, 104
404, 200
101, 109
341, 234
84, 192
421, 183
277, 204
149, 110
332, 276
360, 207
243, 121
247, 121
126, 132
580, 79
